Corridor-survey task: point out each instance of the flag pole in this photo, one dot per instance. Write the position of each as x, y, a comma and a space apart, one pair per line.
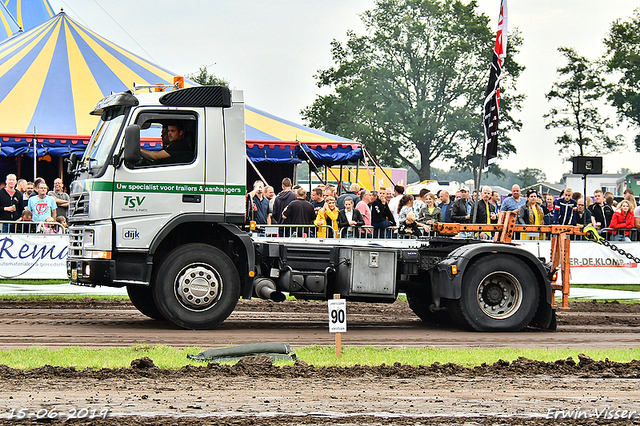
491, 105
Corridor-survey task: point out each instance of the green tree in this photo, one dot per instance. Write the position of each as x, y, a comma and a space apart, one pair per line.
412, 89
529, 176
203, 77
578, 94
623, 59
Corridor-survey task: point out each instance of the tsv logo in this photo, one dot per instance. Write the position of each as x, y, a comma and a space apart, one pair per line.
133, 202
130, 234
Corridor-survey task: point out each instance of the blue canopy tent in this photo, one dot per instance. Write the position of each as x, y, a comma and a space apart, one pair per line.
271, 139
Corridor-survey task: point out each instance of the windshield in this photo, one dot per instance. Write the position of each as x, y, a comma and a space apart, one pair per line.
104, 137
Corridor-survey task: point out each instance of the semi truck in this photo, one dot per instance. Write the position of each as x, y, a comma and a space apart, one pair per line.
173, 232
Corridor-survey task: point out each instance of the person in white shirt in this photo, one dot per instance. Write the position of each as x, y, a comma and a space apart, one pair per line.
398, 192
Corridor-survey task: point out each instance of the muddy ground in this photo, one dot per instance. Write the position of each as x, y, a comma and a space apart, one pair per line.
254, 392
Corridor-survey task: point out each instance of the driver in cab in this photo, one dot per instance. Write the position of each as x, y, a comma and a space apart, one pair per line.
175, 146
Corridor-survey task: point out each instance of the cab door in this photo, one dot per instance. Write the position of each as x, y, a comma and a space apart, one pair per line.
151, 193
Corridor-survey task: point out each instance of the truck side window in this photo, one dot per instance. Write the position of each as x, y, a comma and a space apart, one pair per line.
177, 139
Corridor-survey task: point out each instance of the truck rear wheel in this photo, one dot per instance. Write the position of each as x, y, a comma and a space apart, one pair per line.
142, 298
197, 287
419, 302
499, 293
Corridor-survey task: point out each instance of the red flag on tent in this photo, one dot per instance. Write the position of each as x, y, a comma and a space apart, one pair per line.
492, 95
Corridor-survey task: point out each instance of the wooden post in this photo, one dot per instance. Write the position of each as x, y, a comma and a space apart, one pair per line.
566, 272
338, 336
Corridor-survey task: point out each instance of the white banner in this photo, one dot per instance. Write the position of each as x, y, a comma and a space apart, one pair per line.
37, 256
593, 263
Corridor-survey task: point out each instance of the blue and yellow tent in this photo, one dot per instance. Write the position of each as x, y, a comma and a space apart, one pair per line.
8, 24
52, 76
29, 13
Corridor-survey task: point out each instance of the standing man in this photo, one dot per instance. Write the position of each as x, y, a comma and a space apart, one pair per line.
495, 200
42, 205
363, 208
445, 206
21, 186
565, 209
381, 216
61, 198
10, 202
601, 212
459, 211
283, 199
514, 202
353, 193
398, 192
484, 211
317, 200
259, 204
299, 212
28, 191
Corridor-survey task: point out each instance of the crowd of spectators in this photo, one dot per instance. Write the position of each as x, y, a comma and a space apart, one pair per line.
389, 211
32, 207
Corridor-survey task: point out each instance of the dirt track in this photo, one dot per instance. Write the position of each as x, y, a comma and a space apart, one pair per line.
254, 392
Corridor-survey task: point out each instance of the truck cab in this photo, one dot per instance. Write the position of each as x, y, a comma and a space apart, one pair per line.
128, 211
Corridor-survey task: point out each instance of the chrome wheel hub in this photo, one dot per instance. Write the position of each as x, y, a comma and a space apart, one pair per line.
499, 295
198, 287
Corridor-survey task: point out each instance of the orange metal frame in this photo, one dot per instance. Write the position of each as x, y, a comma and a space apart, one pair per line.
504, 231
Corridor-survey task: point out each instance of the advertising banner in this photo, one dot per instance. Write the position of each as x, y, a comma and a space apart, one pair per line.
593, 263
33, 256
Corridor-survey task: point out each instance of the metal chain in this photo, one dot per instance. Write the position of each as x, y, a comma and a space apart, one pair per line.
619, 250
593, 235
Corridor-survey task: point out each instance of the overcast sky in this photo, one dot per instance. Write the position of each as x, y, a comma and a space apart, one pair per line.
271, 49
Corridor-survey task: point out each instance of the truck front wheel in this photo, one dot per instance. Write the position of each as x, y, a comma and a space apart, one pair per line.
142, 298
197, 287
499, 293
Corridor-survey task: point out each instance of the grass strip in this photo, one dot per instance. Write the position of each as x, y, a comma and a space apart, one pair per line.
168, 357
50, 297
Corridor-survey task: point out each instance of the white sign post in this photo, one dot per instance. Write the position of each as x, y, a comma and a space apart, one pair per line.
338, 320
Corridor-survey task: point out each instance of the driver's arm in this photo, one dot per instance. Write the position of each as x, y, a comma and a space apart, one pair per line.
154, 155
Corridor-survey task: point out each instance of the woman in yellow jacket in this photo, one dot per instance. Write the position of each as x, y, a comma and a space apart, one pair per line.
327, 215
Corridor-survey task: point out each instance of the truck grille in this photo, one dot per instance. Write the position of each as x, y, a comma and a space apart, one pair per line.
79, 205
76, 244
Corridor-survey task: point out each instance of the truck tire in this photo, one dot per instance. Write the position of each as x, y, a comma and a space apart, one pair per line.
142, 298
499, 293
197, 287
419, 302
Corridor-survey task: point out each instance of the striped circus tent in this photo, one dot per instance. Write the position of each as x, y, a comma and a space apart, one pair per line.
52, 76
8, 24
29, 13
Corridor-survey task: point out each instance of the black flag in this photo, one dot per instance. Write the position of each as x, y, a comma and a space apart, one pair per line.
492, 95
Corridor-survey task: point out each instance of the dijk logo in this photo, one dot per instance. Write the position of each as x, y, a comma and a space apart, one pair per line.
130, 234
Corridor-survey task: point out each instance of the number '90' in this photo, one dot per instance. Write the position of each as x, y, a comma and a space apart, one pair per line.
337, 316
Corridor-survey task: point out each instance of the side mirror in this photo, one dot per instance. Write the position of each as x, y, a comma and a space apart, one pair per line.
132, 144
71, 163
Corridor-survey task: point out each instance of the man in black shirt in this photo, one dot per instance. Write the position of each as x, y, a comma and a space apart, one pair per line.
299, 212
176, 148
